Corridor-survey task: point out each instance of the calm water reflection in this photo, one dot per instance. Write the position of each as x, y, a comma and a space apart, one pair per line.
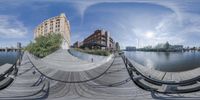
166, 61
8, 57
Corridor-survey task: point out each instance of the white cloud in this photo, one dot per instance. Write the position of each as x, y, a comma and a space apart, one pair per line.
184, 31
10, 27
172, 28
191, 22
167, 29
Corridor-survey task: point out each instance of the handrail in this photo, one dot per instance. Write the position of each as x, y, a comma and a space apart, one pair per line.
13, 67
111, 84
72, 81
12, 70
9, 72
45, 88
130, 68
182, 83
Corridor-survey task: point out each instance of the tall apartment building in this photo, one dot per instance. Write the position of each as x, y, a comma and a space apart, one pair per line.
100, 39
58, 25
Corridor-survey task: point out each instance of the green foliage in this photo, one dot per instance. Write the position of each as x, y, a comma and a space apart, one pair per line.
45, 45
95, 52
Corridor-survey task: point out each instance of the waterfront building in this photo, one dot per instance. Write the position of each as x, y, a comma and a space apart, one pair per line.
130, 48
19, 45
100, 39
58, 25
177, 47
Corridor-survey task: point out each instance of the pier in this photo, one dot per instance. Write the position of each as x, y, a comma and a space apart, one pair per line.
107, 81
163, 82
116, 79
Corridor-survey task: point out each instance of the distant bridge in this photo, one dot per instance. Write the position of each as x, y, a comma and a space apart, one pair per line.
11, 49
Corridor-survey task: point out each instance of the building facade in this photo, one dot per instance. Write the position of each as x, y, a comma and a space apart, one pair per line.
100, 39
176, 47
58, 25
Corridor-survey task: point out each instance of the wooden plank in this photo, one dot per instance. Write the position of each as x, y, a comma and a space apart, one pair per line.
5, 68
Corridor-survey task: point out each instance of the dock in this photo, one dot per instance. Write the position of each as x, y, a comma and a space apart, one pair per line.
163, 82
115, 79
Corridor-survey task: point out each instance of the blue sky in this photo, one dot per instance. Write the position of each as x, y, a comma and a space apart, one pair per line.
130, 22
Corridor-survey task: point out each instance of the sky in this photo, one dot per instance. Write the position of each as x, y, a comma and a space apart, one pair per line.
130, 22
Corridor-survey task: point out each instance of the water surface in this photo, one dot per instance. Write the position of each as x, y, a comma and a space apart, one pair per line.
166, 61
8, 57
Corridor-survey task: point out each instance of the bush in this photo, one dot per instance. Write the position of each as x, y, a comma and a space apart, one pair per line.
45, 45
95, 52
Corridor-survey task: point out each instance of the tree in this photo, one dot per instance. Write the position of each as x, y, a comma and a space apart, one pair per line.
45, 45
166, 45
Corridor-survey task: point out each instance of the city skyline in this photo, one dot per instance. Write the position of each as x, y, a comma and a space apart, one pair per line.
134, 23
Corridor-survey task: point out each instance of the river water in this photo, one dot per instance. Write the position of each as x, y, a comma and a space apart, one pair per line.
166, 61
8, 57
162, 61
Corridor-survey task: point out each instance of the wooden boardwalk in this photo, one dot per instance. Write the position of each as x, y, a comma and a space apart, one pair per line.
162, 82
114, 83
166, 76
